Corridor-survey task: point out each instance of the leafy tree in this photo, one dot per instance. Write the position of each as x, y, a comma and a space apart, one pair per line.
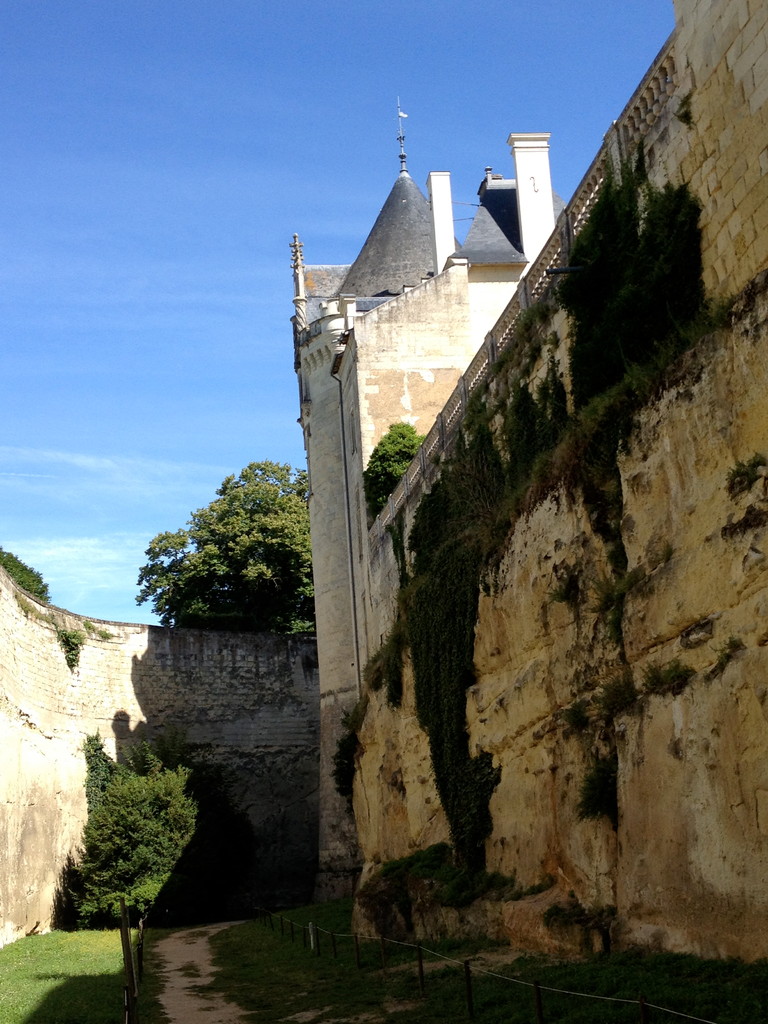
389, 460
132, 840
243, 563
212, 874
163, 832
26, 577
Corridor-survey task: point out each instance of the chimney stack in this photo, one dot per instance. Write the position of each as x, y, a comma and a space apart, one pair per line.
443, 239
530, 151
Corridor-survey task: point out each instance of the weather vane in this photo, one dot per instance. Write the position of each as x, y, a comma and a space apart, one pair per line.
401, 134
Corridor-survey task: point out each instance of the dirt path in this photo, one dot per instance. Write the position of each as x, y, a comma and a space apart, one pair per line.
186, 964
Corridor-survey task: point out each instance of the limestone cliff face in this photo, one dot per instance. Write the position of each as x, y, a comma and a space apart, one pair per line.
250, 698
686, 866
694, 772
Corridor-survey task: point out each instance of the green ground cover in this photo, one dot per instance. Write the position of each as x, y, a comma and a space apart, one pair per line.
274, 979
62, 978
76, 978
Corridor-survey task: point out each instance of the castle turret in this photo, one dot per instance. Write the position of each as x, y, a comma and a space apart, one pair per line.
381, 341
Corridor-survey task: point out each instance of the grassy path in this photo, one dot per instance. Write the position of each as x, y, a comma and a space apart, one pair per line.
275, 979
260, 976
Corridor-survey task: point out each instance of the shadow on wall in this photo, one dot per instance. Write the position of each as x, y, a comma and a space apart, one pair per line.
247, 706
242, 711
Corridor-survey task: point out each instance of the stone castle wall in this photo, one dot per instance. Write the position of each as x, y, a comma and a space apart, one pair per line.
252, 697
722, 62
685, 868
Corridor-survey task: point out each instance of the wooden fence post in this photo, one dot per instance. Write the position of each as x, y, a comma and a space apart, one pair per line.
357, 952
537, 1003
128, 965
468, 987
140, 950
383, 953
643, 1010
420, 961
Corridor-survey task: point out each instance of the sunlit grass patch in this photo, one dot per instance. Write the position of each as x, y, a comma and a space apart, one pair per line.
62, 977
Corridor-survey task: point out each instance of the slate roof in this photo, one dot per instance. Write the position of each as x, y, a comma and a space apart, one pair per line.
322, 282
494, 236
398, 250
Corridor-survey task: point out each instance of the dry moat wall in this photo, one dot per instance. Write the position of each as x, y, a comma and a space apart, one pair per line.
686, 867
687, 864
253, 698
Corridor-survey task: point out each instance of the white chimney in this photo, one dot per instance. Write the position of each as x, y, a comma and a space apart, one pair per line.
530, 151
443, 240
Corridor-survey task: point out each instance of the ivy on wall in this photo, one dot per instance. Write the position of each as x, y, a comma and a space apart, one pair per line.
453, 527
635, 304
71, 642
639, 281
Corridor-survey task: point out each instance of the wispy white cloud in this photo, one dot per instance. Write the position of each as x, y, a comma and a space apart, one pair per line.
48, 476
93, 576
63, 476
84, 520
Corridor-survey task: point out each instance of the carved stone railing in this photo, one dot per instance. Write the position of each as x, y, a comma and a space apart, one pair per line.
644, 110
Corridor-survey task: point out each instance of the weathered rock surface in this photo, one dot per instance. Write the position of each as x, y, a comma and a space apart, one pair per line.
252, 698
686, 867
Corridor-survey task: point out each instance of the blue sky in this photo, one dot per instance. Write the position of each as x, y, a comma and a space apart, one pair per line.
157, 156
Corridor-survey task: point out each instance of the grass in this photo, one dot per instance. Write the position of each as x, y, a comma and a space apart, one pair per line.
726, 653
610, 592
275, 979
672, 678
744, 474
617, 696
576, 716
76, 978
62, 978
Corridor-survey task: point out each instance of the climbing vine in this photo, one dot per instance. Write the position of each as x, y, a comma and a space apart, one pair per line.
346, 748
639, 281
71, 641
450, 539
636, 302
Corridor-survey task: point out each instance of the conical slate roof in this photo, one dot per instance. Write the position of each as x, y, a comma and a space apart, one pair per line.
398, 251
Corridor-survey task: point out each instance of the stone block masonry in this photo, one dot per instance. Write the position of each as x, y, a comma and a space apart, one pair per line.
684, 867
253, 699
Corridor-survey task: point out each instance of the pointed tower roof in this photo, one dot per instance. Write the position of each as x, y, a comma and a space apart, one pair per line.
398, 251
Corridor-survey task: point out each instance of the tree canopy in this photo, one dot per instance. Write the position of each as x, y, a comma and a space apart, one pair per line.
389, 460
26, 577
243, 562
164, 832
136, 831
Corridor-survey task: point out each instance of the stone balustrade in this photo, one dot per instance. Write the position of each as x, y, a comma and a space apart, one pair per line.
645, 110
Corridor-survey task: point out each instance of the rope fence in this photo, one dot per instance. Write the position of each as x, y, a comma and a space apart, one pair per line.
311, 933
